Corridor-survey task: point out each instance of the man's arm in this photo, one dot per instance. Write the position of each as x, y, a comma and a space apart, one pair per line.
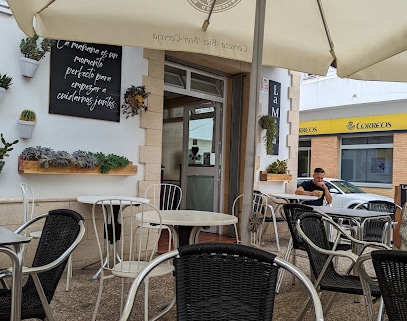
301, 191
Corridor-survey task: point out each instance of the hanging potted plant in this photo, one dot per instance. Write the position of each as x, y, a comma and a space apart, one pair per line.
5, 149
5, 83
26, 123
134, 100
268, 123
33, 52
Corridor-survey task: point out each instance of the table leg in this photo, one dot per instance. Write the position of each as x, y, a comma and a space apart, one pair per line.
109, 239
16, 257
184, 233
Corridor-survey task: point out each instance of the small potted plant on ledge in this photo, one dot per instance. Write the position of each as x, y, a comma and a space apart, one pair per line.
276, 171
33, 52
134, 100
26, 123
5, 149
268, 123
5, 83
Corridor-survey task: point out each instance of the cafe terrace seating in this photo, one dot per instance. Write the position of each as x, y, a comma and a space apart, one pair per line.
375, 229
62, 231
313, 227
28, 214
133, 243
223, 281
272, 218
256, 218
391, 276
164, 196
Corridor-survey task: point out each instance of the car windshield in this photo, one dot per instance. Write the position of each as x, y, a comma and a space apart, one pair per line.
347, 187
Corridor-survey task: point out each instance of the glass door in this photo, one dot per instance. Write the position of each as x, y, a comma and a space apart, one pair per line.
201, 157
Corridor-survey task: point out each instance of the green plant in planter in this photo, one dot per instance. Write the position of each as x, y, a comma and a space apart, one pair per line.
6, 147
277, 167
268, 123
5, 81
28, 115
31, 48
111, 161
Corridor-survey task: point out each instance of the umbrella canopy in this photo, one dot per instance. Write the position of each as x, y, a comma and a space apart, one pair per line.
306, 35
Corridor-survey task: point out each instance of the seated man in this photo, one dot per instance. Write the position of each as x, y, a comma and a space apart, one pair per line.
315, 187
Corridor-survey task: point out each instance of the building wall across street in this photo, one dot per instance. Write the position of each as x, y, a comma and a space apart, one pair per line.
357, 131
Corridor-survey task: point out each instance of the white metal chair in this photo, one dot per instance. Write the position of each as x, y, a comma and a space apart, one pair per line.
274, 207
164, 196
256, 219
126, 243
28, 214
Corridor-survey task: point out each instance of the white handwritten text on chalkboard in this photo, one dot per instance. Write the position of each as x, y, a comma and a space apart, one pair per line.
85, 80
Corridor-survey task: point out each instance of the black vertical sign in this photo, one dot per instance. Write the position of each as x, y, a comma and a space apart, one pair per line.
85, 80
274, 109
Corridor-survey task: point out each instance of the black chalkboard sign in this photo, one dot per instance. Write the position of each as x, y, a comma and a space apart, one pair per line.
85, 80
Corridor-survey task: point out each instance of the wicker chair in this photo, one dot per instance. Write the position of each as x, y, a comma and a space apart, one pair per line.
62, 231
312, 228
391, 273
375, 229
290, 213
211, 279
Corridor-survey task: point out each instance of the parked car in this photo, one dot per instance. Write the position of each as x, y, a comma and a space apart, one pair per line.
345, 194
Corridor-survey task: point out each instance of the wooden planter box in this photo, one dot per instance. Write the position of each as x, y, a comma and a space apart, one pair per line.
264, 176
33, 167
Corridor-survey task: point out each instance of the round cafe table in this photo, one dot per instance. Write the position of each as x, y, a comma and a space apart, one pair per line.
185, 224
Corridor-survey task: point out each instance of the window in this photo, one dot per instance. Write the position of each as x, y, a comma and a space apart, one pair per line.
367, 159
304, 158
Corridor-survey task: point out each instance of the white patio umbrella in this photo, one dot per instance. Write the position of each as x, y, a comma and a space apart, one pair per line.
364, 39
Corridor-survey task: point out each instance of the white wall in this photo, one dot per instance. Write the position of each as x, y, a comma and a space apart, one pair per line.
64, 132
282, 76
331, 91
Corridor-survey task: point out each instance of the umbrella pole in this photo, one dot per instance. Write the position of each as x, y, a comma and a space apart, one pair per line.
252, 119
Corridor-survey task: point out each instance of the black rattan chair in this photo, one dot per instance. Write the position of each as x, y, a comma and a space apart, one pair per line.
391, 273
62, 231
224, 282
312, 228
374, 228
290, 214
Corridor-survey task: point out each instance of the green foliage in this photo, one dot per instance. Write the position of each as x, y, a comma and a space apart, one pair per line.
5, 81
31, 48
277, 167
6, 147
111, 161
28, 115
268, 123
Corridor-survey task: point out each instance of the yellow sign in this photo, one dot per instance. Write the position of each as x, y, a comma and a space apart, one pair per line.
364, 124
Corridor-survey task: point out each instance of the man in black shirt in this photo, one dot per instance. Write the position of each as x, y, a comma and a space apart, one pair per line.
315, 187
